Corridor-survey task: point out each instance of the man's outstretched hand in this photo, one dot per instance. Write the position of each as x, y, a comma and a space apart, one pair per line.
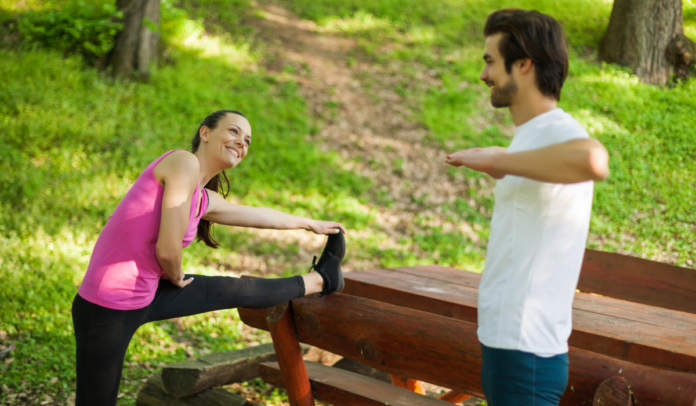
479, 159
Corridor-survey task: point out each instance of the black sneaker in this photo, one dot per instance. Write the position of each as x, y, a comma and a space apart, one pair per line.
329, 265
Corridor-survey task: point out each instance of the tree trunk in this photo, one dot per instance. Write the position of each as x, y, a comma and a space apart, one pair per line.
136, 44
638, 35
149, 36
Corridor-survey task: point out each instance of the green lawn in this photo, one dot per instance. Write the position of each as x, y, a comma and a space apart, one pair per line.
645, 208
74, 141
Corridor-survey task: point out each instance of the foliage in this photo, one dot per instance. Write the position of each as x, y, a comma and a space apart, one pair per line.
645, 206
79, 27
74, 141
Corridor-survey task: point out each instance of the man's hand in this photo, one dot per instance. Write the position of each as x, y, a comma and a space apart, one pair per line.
479, 159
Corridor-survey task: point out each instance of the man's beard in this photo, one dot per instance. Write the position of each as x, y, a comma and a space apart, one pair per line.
502, 96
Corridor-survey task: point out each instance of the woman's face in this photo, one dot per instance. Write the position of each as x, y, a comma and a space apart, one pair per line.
229, 141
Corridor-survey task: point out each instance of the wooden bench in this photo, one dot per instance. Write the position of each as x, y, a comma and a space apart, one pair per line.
418, 345
419, 323
639, 333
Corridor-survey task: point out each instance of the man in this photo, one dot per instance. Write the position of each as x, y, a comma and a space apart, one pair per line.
543, 203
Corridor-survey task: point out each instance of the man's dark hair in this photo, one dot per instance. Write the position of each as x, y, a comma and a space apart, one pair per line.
533, 35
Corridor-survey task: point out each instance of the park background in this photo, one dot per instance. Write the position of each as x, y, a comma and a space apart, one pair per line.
353, 105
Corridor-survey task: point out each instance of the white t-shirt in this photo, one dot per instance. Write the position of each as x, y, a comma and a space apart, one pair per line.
535, 250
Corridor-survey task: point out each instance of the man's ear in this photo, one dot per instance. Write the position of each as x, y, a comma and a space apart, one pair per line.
525, 65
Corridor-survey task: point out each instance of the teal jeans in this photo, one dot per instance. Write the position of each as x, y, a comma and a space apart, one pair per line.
516, 378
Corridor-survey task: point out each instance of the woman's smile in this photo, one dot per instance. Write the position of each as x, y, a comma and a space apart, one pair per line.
234, 151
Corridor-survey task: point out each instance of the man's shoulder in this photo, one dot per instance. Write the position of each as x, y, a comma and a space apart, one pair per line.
563, 127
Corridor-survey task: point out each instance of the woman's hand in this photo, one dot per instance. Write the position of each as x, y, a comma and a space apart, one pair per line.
182, 283
324, 227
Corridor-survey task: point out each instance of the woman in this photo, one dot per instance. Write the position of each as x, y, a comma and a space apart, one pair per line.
135, 277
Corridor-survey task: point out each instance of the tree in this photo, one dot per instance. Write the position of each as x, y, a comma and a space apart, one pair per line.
648, 36
136, 44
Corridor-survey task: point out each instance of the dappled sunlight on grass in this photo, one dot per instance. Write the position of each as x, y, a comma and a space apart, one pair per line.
74, 143
40, 275
690, 31
192, 37
360, 22
421, 35
14, 6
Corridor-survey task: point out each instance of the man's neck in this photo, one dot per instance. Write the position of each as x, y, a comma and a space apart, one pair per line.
530, 105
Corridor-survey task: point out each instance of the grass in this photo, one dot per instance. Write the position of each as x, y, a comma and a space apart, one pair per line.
645, 208
74, 141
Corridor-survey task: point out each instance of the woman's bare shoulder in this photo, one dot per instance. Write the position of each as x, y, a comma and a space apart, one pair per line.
177, 162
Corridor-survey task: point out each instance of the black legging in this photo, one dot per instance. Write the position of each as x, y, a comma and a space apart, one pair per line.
102, 335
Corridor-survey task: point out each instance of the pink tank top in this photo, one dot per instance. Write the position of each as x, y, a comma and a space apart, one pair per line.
123, 272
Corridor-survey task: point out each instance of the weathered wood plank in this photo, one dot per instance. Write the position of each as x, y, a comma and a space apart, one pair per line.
189, 377
432, 281
608, 326
446, 352
639, 280
153, 394
281, 324
340, 387
358, 368
615, 391
656, 316
615, 275
415, 292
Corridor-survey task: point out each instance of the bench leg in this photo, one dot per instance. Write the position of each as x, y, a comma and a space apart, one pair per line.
281, 324
454, 397
413, 385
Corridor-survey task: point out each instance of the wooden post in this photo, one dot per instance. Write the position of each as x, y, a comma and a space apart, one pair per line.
281, 324
454, 397
413, 385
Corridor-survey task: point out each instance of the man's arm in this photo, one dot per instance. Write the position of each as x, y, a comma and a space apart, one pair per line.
572, 161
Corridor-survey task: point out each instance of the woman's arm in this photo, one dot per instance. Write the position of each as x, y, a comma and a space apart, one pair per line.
178, 172
221, 211
572, 161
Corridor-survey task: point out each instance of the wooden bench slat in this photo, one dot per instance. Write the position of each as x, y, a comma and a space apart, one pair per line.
608, 326
639, 280
446, 352
610, 274
652, 315
436, 277
432, 296
341, 387
442, 273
